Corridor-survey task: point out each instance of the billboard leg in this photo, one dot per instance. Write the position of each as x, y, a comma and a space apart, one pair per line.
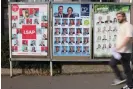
51, 68
11, 71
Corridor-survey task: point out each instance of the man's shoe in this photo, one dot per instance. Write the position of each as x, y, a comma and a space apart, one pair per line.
126, 87
117, 81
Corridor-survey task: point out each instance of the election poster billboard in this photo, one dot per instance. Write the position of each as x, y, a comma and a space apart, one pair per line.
71, 29
106, 28
29, 29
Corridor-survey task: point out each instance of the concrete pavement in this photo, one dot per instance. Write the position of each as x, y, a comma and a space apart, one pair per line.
81, 81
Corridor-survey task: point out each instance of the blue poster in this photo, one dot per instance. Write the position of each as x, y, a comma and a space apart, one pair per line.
71, 29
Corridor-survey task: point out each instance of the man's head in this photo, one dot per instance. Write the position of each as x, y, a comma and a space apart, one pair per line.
71, 48
121, 17
57, 49
100, 18
108, 18
64, 39
72, 39
60, 9
78, 48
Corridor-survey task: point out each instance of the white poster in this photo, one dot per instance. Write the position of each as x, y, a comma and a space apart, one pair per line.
105, 28
29, 29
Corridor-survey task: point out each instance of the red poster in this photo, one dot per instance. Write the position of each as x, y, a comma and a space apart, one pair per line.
29, 32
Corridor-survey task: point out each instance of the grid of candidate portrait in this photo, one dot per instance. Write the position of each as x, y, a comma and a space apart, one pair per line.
29, 16
70, 37
105, 33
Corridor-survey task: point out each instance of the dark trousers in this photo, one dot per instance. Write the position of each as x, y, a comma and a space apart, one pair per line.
125, 60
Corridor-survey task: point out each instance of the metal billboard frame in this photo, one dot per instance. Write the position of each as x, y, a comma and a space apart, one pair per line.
27, 58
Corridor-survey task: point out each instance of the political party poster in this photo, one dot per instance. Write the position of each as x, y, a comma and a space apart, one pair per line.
106, 27
29, 29
71, 29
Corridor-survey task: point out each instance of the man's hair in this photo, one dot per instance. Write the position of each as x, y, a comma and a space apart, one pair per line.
121, 13
59, 7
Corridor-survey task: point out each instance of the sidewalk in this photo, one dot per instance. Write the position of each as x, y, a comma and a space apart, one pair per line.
82, 81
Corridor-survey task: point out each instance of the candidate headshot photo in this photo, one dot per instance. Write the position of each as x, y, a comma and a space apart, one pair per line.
24, 48
71, 31
64, 49
100, 20
64, 40
70, 13
33, 49
57, 49
14, 36
99, 29
64, 31
60, 13
57, 22
78, 22
57, 40
104, 29
36, 21
33, 43
115, 20
78, 49
86, 49
71, 49
108, 20
78, 40
57, 31
64, 22
71, 22
42, 43
14, 25
71, 41
21, 21
86, 31
78, 32
86, 40
28, 21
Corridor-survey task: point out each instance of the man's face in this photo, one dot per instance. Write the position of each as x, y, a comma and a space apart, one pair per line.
86, 30
57, 39
100, 18
78, 30
72, 39
57, 49
57, 30
86, 48
108, 17
42, 42
65, 21
120, 18
60, 10
78, 39
71, 30
78, 48
65, 30
64, 39
71, 48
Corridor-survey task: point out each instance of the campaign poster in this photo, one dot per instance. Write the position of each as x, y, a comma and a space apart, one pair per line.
71, 29
106, 28
29, 29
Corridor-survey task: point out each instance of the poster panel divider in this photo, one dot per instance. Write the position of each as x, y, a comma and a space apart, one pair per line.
68, 37
29, 31
106, 23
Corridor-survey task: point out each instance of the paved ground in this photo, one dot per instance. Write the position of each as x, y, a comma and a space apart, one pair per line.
82, 81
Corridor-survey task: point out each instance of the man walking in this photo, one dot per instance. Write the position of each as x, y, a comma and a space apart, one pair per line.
124, 47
